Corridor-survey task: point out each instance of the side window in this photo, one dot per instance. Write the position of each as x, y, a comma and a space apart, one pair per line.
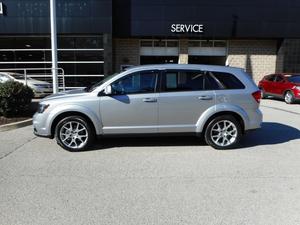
181, 80
270, 78
139, 82
279, 78
227, 80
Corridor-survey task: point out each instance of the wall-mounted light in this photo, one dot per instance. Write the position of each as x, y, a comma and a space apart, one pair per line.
1, 8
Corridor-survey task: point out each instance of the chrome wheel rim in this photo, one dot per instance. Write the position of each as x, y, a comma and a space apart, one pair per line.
288, 97
73, 134
224, 133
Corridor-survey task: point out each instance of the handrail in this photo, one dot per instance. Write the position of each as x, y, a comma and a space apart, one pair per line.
36, 69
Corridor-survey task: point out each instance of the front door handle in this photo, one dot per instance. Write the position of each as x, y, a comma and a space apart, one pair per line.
149, 100
205, 97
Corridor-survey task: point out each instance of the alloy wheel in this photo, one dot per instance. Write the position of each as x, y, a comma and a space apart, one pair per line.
224, 133
288, 97
74, 134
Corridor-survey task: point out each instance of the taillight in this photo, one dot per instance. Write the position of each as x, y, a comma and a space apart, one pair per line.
257, 96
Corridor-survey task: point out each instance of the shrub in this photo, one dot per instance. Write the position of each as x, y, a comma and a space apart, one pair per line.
15, 98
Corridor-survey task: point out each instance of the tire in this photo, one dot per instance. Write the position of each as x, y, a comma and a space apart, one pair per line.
289, 97
218, 137
74, 134
263, 94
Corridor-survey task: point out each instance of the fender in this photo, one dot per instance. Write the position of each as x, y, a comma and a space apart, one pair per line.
76, 108
223, 107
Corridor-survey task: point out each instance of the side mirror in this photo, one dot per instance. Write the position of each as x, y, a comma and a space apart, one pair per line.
108, 90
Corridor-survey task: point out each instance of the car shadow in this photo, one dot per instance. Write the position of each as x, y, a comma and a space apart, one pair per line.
107, 143
271, 133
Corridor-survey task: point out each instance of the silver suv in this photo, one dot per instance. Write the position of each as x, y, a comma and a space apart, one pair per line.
216, 102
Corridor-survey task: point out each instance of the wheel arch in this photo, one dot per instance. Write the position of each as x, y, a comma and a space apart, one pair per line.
59, 117
230, 113
238, 113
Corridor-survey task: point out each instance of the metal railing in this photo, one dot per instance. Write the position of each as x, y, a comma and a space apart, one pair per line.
44, 76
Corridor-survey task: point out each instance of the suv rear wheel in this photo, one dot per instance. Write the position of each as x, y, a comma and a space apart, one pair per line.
223, 132
74, 133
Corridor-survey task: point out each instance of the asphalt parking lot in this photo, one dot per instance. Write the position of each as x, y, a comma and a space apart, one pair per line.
156, 180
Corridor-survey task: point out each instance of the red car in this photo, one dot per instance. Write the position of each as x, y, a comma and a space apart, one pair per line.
285, 86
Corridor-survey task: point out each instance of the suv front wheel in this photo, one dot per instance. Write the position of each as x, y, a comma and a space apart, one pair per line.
223, 132
74, 133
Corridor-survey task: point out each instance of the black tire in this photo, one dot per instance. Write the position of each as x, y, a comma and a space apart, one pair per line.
289, 97
209, 133
81, 142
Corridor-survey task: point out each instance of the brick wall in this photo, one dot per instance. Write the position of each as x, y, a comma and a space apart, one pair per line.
183, 51
257, 57
126, 52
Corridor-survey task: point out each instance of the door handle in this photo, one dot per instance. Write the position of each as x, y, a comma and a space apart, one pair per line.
205, 97
149, 100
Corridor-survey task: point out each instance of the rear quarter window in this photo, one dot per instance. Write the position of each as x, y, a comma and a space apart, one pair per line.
227, 80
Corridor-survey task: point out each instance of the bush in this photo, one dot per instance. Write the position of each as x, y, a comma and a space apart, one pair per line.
15, 98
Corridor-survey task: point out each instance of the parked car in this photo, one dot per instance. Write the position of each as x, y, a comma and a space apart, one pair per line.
284, 86
40, 88
216, 102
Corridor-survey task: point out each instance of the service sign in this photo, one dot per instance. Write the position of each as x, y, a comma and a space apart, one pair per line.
187, 28
1, 8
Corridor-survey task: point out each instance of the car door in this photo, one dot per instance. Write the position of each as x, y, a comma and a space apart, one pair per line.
132, 107
269, 84
182, 100
279, 85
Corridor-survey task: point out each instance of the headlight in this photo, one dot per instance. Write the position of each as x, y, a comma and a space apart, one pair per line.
297, 88
42, 108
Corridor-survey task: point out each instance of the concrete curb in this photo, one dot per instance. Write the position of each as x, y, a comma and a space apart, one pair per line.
12, 126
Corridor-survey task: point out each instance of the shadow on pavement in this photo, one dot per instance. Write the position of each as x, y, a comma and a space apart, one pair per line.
107, 143
270, 133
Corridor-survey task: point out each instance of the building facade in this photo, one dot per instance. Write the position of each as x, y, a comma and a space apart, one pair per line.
100, 37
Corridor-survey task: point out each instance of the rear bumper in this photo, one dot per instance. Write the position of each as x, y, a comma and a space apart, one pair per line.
255, 120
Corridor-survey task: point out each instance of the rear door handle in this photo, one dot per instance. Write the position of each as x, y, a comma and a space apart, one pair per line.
149, 100
205, 97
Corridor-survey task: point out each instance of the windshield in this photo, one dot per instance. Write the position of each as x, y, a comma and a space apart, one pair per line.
294, 79
94, 86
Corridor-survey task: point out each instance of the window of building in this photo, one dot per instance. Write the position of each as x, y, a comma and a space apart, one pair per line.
81, 57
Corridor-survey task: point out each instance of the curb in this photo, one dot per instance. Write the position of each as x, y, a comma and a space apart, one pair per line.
12, 126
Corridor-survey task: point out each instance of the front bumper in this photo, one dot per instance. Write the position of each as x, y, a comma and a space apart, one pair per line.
40, 127
296, 94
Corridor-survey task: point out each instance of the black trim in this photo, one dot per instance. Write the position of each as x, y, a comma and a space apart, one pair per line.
151, 135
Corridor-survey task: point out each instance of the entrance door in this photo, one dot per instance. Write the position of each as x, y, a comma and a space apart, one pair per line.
207, 52
133, 107
158, 51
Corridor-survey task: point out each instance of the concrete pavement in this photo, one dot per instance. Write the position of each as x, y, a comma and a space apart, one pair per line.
156, 180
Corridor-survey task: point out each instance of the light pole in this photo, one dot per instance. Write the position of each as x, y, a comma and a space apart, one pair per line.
54, 44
